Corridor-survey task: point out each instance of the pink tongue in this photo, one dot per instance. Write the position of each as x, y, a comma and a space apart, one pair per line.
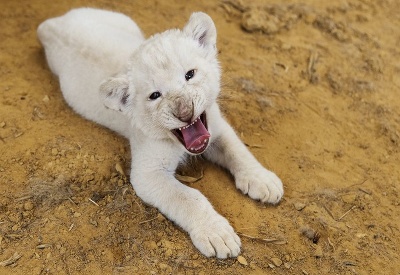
195, 135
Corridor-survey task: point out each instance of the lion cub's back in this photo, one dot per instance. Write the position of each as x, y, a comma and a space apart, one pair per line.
98, 36
83, 48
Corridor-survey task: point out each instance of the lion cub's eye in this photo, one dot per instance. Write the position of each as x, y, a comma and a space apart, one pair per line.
189, 75
155, 95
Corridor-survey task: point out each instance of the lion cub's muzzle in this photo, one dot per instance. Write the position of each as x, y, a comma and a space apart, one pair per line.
194, 136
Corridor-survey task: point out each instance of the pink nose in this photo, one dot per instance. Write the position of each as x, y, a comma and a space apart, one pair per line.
183, 110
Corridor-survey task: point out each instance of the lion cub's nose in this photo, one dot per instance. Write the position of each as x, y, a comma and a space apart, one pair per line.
184, 110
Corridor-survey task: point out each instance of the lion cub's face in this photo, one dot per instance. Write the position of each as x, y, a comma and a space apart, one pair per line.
172, 80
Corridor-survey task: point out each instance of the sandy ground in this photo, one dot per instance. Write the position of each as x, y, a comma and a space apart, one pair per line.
312, 89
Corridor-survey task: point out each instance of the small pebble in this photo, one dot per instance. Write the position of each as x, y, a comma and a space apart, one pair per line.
242, 260
151, 245
119, 169
2, 124
43, 246
168, 253
276, 261
54, 151
28, 205
299, 206
349, 198
120, 183
318, 252
160, 217
361, 235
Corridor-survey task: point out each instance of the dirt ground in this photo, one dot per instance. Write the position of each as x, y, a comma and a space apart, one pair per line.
312, 88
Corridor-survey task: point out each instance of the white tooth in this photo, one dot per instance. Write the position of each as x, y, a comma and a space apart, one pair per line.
180, 129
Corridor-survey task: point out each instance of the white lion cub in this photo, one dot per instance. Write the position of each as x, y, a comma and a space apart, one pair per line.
160, 93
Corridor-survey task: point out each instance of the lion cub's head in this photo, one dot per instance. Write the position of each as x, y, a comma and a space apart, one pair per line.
171, 81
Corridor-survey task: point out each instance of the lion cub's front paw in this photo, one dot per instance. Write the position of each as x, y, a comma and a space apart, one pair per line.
260, 184
216, 238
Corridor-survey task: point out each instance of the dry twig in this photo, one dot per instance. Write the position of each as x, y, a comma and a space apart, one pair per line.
92, 201
311, 66
272, 240
13, 259
146, 221
347, 212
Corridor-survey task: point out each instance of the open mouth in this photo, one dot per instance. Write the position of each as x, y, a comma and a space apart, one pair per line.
195, 136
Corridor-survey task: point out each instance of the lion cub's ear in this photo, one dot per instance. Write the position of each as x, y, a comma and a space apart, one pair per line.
115, 94
201, 28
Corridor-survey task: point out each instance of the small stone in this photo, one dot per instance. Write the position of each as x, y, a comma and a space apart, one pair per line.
2, 124
160, 217
89, 172
93, 222
46, 98
259, 20
15, 217
318, 252
287, 265
152, 245
299, 206
276, 261
242, 260
28, 205
119, 169
166, 244
77, 214
16, 227
120, 183
54, 151
361, 235
168, 253
349, 198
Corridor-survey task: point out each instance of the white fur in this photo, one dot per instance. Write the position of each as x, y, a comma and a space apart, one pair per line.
107, 72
